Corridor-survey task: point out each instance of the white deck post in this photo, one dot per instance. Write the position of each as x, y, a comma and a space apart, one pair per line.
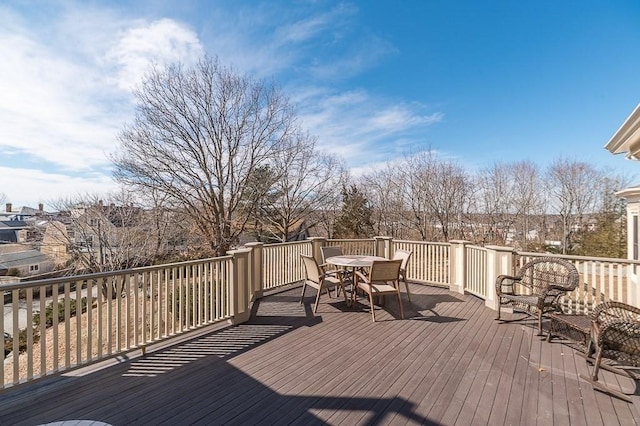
383, 247
240, 286
317, 243
256, 272
457, 265
499, 262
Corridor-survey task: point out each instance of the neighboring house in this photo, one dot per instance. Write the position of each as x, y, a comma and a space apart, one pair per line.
98, 235
26, 262
56, 240
13, 231
21, 213
627, 141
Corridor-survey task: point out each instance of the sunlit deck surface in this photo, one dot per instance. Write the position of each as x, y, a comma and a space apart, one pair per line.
448, 363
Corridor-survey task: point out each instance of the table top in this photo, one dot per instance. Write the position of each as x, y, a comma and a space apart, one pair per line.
353, 260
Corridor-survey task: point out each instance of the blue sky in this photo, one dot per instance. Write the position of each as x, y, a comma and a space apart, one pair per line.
477, 81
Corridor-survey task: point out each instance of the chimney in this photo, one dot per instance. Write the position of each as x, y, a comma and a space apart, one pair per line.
8, 207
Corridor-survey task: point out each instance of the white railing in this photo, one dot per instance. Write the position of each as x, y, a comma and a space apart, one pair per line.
476, 271
354, 246
282, 264
429, 262
61, 323
92, 317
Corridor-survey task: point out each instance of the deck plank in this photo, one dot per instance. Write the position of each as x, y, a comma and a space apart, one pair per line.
451, 363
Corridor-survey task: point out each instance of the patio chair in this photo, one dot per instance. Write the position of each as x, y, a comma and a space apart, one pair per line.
383, 279
615, 335
314, 277
537, 286
329, 251
404, 255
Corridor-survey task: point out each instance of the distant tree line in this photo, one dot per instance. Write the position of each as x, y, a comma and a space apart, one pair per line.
212, 156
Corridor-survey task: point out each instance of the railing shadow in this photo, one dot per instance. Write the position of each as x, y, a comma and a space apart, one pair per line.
197, 382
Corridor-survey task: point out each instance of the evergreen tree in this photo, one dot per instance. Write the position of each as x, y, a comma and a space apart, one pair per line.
355, 219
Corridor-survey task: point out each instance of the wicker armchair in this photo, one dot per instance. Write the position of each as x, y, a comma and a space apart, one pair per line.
615, 335
537, 286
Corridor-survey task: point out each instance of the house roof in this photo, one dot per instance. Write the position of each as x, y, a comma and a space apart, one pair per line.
627, 139
8, 235
13, 224
23, 258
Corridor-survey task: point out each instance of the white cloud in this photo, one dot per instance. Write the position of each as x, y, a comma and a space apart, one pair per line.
164, 41
67, 72
66, 87
362, 128
27, 187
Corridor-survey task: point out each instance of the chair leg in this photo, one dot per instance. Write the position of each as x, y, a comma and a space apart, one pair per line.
540, 323
400, 303
498, 315
593, 378
596, 365
315, 307
373, 311
406, 285
304, 287
344, 292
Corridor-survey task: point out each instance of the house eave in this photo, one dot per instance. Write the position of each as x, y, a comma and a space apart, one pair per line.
631, 194
626, 140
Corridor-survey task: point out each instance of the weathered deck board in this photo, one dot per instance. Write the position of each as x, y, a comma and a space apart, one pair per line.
448, 363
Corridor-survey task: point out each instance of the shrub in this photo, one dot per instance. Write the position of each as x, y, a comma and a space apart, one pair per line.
60, 313
22, 341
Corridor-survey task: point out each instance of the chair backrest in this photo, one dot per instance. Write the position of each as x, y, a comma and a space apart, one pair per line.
329, 251
542, 272
385, 270
403, 255
311, 268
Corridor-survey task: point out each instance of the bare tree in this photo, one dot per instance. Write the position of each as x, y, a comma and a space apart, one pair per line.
574, 188
327, 216
494, 203
417, 171
199, 136
508, 199
306, 182
528, 203
384, 189
438, 193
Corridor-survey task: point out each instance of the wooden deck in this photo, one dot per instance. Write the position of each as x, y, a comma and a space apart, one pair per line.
449, 363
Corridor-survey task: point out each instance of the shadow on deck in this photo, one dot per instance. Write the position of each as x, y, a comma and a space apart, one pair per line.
449, 362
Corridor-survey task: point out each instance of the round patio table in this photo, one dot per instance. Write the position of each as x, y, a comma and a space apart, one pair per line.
353, 261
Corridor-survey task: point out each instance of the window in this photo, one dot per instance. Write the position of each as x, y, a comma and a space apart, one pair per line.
34, 268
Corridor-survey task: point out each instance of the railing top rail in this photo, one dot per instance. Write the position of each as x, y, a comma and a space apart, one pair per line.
431, 243
351, 239
583, 258
98, 275
288, 243
477, 247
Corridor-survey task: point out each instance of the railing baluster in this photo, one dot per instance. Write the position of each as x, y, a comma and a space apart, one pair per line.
16, 336
29, 326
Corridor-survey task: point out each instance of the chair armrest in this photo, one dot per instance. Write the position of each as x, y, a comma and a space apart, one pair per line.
362, 277
611, 310
506, 281
618, 334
